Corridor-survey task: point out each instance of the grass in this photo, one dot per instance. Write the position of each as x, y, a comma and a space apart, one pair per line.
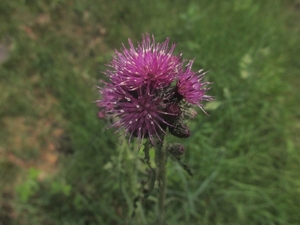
244, 156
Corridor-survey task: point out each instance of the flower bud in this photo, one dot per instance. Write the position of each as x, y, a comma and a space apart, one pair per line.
180, 130
176, 149
174, 112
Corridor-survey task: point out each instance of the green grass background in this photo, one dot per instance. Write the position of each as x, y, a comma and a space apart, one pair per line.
245, 155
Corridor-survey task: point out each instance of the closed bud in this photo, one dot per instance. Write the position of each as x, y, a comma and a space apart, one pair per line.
176, 149
173, 109
174, 112
180, 130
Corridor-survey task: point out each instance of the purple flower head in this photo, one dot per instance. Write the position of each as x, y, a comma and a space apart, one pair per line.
190, 87
145, 91
139, 112
149, 64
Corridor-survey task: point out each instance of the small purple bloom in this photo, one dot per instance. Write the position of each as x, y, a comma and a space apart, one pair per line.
146, 89
189, 86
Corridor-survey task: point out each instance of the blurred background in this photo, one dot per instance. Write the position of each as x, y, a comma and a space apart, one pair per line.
60, 165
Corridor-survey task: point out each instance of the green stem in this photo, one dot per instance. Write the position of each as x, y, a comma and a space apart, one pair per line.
153, 172
161, 160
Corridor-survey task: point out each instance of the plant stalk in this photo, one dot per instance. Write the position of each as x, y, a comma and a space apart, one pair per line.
161, 161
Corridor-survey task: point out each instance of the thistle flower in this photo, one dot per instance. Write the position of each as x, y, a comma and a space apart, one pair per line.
189, 86
149, 64
145, 90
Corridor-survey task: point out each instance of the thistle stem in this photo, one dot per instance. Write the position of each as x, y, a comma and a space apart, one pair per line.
161, 160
